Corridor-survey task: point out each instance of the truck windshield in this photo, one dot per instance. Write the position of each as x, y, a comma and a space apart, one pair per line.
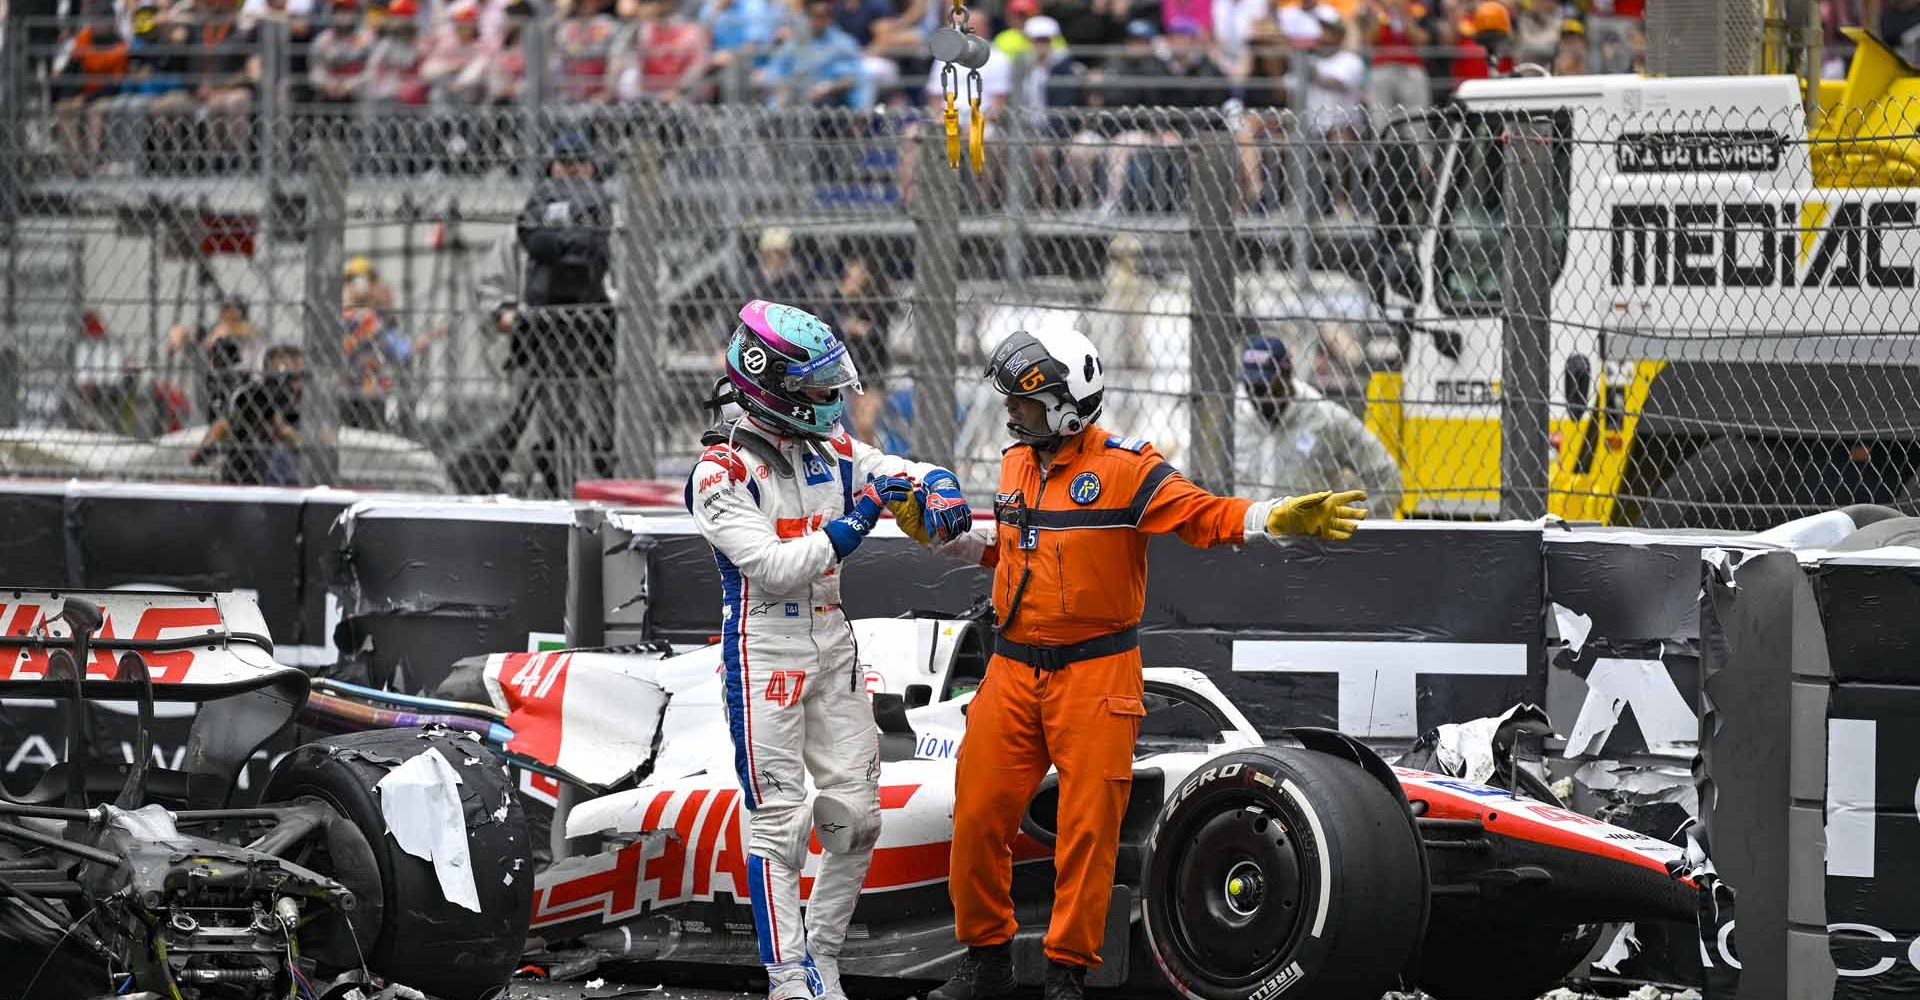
1469, 255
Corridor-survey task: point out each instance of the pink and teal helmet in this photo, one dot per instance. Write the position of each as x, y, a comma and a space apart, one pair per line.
788, 369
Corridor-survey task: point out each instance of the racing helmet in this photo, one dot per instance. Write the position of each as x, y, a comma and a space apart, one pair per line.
1061, 369
787, 369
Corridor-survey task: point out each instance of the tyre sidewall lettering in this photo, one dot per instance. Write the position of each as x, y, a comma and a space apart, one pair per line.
1266, 778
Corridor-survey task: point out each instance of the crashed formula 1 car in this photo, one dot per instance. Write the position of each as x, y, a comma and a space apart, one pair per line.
395, 860
1247, 868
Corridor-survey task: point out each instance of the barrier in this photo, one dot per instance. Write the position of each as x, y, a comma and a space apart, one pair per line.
1639, 643
1812, 765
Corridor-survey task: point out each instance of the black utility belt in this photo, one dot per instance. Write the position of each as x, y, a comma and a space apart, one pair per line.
1056, 657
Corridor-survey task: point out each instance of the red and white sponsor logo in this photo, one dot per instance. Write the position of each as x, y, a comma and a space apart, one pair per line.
704, 852
29, 664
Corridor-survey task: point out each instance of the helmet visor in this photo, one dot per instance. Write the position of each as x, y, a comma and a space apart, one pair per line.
830, 371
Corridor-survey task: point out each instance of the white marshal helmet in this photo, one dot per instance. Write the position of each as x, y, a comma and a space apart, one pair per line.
1060, 368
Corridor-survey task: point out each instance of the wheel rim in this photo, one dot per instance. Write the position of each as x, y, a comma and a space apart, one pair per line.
1237, 894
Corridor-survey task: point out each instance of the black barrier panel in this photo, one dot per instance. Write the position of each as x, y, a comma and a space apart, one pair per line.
1746, 675
33, 549
1633, 591
1477, 584
1885, 852
1872, 617
1873, 621
425, 588
191, 539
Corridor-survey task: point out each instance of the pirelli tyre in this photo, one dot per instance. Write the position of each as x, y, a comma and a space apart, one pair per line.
1275, 872
404, 927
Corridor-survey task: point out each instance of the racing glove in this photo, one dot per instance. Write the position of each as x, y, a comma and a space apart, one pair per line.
848, 531
944, 507
1325, 514
909, 515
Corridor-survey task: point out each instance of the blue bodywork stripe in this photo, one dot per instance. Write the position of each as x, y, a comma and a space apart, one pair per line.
732, 637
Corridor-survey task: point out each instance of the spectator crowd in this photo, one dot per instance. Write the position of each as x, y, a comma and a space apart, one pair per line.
114, 59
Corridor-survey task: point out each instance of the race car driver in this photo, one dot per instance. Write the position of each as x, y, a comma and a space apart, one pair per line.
1074, 510
784, 494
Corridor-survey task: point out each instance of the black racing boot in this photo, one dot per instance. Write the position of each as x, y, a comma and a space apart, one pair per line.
1065, 982
983, 972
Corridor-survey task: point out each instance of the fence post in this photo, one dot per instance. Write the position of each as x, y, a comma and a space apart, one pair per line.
1020, 144
273, 110
326, 368
13, 180
1299, 171
533, 93
1525, 290
1212, 194
936, 226
640, 388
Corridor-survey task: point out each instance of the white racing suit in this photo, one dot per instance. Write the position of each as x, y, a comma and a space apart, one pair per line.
796, 699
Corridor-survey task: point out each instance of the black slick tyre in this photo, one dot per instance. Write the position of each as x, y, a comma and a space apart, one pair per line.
405, 927
1277, 872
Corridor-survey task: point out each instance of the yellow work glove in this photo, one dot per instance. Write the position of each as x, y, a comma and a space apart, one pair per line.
910, 516
1323, 515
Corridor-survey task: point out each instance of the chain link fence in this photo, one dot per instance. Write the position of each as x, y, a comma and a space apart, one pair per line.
1667, 316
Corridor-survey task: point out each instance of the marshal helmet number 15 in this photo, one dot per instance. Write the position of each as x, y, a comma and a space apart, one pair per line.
788, 369
1061, 369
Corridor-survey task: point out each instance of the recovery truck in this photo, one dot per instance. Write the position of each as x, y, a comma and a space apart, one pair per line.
1732, 323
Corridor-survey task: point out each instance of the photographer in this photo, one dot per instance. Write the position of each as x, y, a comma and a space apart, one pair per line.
549, 294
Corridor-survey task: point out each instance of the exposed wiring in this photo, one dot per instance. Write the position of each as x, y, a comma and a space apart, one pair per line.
365, 972
55, 950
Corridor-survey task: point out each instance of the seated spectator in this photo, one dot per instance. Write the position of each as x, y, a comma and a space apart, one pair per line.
817, 65
395, 66
257, 435
582, 51
458, 61
507, 70
1093, 24
88, 72
1536, 32
662, 57
337, 63
1130, 81
740, 33
900, 37
226, 77
857, 18
1570, 59
1398, 30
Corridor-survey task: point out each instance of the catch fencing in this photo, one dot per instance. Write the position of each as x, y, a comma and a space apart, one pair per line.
1449, 279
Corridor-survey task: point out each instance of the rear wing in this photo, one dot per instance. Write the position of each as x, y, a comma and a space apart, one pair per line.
196, 646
